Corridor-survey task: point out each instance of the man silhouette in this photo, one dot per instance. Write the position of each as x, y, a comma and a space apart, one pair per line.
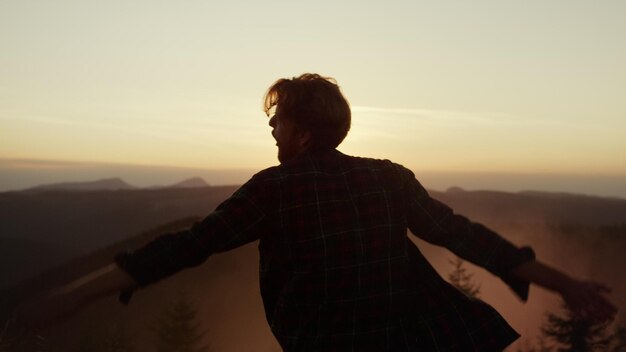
337, 270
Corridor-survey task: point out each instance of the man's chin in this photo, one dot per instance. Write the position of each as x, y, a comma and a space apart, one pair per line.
283, 157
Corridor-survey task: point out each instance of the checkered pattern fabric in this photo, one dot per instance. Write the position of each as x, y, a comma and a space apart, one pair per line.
338, 272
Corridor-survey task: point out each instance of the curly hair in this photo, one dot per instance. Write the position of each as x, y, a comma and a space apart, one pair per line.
315, 104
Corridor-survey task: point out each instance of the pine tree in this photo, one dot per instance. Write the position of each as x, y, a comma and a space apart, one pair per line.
461, 279
571, 333
177, 329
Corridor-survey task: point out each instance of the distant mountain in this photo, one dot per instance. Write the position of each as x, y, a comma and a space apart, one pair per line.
194, 182
191, 183
112, 184
496, 208
107, 184
85, 221
455, 189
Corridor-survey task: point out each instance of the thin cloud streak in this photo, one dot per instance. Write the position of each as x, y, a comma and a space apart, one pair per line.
143, 131
456, 116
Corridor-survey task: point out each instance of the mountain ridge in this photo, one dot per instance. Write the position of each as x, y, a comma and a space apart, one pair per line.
117, 183
111, 184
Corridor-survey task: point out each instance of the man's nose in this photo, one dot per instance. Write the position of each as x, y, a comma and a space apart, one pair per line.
272, 122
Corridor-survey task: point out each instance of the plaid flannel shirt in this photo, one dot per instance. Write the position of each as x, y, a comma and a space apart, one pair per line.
337, 271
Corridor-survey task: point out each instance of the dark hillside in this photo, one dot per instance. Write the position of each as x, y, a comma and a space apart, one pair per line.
17, 257
91, 219
81, 222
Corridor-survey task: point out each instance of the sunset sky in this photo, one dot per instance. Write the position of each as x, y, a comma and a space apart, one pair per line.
445, 86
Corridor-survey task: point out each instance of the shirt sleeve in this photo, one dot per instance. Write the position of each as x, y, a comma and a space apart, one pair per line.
434, 222
237, 221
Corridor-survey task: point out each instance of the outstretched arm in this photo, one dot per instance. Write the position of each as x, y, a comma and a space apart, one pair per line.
237, 221
62, 302
585, 298
435, 222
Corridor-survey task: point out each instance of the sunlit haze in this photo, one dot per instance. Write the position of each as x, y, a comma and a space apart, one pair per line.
496, 87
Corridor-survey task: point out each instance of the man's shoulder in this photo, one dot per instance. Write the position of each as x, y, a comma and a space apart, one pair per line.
378, 164
329, 162
267, 174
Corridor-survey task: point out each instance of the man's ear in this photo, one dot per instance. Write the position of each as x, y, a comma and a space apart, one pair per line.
304, 138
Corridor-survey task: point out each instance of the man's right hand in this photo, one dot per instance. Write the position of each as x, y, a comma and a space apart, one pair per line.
585, 298
60, 304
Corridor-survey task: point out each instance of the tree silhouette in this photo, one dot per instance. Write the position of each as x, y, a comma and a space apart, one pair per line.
461, 279
177, 329
571, 333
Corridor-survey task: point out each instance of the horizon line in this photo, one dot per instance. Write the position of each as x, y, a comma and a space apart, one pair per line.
66, 162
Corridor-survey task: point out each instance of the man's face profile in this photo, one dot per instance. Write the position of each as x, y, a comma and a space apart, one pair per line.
289, 139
